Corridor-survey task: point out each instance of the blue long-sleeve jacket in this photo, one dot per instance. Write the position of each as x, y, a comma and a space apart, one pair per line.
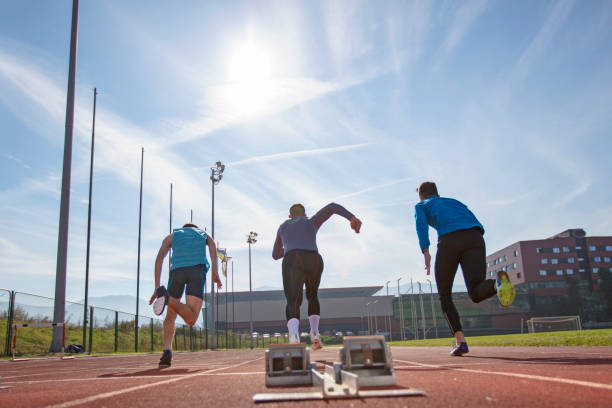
445, 215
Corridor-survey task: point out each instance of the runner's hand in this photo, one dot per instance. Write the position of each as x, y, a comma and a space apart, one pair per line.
153, 297
427, 261
217, 280
356, 224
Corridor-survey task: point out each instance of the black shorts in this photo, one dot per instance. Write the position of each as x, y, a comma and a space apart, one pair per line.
194, 277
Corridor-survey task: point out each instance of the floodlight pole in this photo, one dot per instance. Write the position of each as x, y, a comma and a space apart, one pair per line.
59, 309
401, 307
433, 313
390, 328
138, 262
251, 239
216, 174
91, 162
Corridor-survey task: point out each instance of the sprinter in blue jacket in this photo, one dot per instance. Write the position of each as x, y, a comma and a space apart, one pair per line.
460, 242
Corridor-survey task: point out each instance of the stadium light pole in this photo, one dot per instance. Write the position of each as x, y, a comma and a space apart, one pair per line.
227, 259
91, 162
390, 336
138, 261
401, 307
251, 239
375, 316
433, 313
216, 174
422, 311
368, 317
59, 308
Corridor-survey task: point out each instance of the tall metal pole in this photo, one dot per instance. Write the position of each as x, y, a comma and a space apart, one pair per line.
170, 228
216, 174
138, 264
422, 311
233, 310
375, 316
226, 334
401, 307
368, 317
251, 239
59, 309
413, 314
433, 313
390, 328
91, 162
191, 216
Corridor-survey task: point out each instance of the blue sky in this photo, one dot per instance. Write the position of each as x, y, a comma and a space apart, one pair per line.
505, 104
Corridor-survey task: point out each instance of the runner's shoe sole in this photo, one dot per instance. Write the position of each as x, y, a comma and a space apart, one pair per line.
162, 300
505, 290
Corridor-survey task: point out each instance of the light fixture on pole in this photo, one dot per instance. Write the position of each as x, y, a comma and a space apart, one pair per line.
251, 239
433, 313
216, 174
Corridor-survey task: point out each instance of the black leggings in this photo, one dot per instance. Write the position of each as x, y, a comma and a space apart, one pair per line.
465, 247
299, 268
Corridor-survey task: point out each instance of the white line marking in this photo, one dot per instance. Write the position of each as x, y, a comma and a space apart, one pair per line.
519, 375
141, 387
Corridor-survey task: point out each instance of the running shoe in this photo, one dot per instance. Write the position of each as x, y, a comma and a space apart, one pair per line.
315, 341
460, 349
166, 359
505, 289
162, 300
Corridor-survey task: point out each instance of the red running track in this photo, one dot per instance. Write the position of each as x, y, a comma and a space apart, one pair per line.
487, 376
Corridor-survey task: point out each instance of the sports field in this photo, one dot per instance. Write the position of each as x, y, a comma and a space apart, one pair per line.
487, 376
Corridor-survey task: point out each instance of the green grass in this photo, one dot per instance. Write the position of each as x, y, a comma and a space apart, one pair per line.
599, 337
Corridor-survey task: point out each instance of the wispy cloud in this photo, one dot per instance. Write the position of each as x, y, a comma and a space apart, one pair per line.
17, 160
298, 153
465, 17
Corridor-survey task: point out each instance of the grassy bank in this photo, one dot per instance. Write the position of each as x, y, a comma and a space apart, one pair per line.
599, 337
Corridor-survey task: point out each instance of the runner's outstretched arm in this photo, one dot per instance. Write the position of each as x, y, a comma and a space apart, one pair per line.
213, 258
332, 208
161, 254
277, 250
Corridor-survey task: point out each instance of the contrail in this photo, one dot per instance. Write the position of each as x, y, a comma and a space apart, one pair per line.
288, 155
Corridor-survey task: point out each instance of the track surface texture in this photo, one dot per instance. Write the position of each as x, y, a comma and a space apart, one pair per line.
487, 376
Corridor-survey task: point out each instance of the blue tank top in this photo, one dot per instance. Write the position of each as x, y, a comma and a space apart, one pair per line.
188, 248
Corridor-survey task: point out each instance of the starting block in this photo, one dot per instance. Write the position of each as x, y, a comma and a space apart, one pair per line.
288, 364
369, 358
364, 361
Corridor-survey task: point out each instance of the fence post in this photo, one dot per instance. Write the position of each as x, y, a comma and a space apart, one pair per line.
152, 335
91, 324
116, 331
184, 339
190, 338
9, 322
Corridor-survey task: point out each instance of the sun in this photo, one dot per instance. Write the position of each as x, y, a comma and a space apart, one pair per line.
250, 86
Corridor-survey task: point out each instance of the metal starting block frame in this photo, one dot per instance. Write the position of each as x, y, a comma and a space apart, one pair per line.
364, 361
288, 364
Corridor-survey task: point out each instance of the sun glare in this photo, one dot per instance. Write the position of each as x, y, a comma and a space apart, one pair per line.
250, 86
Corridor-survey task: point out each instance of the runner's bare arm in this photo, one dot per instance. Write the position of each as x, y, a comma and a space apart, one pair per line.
213, 259
277, 251
332, 208
161, 254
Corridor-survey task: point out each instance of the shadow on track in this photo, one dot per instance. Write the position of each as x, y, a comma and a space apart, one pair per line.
154, 372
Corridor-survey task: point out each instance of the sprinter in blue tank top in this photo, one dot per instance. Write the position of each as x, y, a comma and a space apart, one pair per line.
460, 242
188, 267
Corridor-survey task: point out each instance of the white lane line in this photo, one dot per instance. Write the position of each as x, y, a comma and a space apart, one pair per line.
141, 387
518, 375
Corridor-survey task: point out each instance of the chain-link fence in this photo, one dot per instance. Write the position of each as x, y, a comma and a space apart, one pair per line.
105, 330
